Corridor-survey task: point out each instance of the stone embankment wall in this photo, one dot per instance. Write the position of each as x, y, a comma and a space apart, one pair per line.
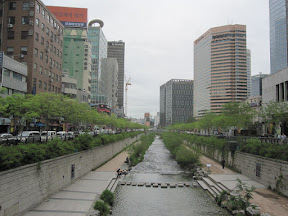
269, 172
23, 188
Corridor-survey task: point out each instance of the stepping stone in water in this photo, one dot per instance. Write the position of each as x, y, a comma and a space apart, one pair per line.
134, 184
155, 185
148, 184
122, 183
180, 184
140, 184
172, 185
128, 183
163, 185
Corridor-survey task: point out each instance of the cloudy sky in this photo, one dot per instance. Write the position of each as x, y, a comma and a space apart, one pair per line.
159, 36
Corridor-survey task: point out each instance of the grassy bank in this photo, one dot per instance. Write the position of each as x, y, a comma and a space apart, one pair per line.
137, 150
186, 157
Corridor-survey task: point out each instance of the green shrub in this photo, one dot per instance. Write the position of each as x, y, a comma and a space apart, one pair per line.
102, 207
15, 156
107, 196
138, 150
187, 158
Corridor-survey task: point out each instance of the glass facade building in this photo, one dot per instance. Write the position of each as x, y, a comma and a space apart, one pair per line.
257, 84
77, 57
278, 35
176, 101
220, 68
99, 52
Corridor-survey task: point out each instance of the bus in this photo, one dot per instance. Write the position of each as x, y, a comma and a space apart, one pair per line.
104, 108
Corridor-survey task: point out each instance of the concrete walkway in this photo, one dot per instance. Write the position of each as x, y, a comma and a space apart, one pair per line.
78, 198
269, 201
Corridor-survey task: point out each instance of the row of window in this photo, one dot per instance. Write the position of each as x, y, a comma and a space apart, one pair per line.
44, 71
46, 86
39, 9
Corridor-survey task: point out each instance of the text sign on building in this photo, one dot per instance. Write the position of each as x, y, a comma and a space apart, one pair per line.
1, 59
70, 17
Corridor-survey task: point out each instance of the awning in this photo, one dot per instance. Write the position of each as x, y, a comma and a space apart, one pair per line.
39, 124
5, 121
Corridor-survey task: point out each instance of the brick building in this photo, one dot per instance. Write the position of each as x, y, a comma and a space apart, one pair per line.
33, 36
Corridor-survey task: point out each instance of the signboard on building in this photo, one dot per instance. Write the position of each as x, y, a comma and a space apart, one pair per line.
1, 59
70, 17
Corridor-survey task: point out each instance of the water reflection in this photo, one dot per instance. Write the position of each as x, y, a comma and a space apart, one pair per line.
159, 167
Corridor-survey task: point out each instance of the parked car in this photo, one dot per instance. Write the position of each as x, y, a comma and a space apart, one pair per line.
62, 135
29, 136
71, 135
48, 135
8, 139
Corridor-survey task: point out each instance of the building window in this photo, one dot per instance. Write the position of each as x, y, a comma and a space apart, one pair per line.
26, 5
10, 35
43, 13
17, 76
10, 51
41, 55
47, 31
35, 67
40, 70
37, 36
40, 84
46, 72
24, 34
46, 58
45, 86
43, 27
36, 52
37, 22
12, 5
48, 18
23, 50
38, 8
42, 40
11, 20
25, 20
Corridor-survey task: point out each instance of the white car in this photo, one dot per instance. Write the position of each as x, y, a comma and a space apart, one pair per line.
48, 135
62, 135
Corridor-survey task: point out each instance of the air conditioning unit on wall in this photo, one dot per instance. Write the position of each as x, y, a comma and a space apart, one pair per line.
10, 25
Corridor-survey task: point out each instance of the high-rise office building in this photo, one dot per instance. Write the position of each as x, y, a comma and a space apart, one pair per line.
220, 68
176, 101
248, 73
257, 84
116, 49
76, 47
278, 35
99, 52
110, 78
32, 35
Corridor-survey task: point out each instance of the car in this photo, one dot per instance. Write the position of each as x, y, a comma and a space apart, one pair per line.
8, 139
48, 135
71, 135
29, 136
62, 135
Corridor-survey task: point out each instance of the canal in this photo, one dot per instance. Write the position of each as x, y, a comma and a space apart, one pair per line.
158, 166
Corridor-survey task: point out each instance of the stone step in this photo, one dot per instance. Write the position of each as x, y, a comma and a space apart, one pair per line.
212, 184
204, 186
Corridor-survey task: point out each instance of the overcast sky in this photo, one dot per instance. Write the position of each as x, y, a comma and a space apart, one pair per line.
159, 36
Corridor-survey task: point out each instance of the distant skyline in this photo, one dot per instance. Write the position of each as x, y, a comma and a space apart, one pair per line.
159, 38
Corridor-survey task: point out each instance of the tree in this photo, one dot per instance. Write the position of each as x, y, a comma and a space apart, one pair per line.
275, 113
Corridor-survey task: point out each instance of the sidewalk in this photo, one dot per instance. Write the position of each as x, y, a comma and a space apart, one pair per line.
77, 198
269, 201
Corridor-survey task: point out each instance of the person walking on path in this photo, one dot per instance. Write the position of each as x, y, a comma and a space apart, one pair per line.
223, 163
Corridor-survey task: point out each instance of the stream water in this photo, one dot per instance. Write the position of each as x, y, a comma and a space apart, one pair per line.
158, 166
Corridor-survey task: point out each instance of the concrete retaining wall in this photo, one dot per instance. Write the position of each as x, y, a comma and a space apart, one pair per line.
273, 173
25, 187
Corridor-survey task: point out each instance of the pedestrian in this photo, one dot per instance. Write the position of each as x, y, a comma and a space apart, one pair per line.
223, 163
